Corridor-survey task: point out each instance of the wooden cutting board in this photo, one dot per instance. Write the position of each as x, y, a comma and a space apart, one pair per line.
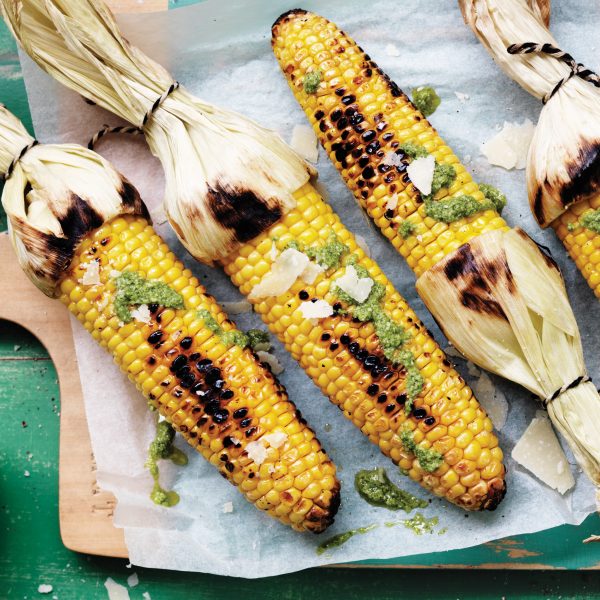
85, 510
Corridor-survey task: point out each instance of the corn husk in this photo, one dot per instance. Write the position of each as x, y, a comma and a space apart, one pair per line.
227, 178
563, 164
503, 304
54, 197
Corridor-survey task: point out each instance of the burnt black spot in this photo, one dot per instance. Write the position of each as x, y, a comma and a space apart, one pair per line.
240, 413
429, 421
349, 99
368, 172
286, 16
538, 205
319, 115
336, 115
245, 422
342, 123
368, 135
340, 92
584, 174
419, 413
242, 211
179, 362
220, 415
186, 343
227, 394
373, 389
325, 337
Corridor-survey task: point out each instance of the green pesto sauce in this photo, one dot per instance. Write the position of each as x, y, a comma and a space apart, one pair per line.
406, 229
311, 81
426, 99
390, 334
458, 207
443, 177
428, 458
329, 255
590, 220
419, 524
493, 195
342, 538
134, 290
162, 448
375, 487
413, 150
254, 338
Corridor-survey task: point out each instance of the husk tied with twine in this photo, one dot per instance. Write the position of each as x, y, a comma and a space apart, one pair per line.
563, 164
502, 302
227, 178
55, 195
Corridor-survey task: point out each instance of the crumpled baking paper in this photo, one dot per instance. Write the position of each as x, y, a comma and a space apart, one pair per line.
221, 51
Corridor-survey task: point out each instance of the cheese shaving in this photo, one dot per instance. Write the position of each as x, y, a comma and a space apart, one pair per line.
392, 159
509, 147
256, 452
276, 440
44, 588
133, 580
288, 266
305, 143
227, 507
312, 271
539, 451
358, 289
91, 274
115, 590
462, 98
420, 172
392, 202
392, 50
141, 314
271, 360
316, 310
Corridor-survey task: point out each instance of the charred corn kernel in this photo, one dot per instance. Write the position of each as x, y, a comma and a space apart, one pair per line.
176, 362
582, 244
360, 116
346, 361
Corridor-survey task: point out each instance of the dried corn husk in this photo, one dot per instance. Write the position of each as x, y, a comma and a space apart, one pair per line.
54, 197
503, 304
564, 156
227, 178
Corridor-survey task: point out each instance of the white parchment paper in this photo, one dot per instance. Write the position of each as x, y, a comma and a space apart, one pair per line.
221, 51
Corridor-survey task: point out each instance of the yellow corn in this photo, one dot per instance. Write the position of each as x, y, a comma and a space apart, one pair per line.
360, 116
582, 244
223, 398
345, 360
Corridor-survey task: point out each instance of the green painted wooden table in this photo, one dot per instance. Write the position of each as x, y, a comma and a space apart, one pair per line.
31, 552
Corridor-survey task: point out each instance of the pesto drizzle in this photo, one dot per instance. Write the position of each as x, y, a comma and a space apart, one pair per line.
253, 338
457, 207
590, 220
426, 99
419, 524
311, 81
375, 487
429, 459
342, 538
391, 335
134, 290
162, 448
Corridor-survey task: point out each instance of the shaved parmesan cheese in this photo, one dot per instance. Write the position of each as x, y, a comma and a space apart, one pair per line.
256, 452
115, 590
142, 314
273, 252
491, 399
357, 289
392, 159
462, 98
312, 271
508, 148
316, 310
103, 302
228, 507
305, 143
44, 588
271, 360
91, 275
392, 50
146, 596
392, 202
114, 273
288, 266
539, 451
133, 580
276, 440
362, 243
237, 308
420, 172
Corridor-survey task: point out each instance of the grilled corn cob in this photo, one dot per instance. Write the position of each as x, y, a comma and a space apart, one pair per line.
494, 293
75, 224
345, 359
582, 244
360, 116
